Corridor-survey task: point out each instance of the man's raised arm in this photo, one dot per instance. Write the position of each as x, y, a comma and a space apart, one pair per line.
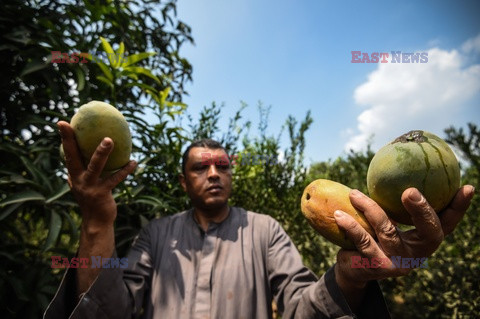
94, 197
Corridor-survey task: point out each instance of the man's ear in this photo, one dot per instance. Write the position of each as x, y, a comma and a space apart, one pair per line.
181, 179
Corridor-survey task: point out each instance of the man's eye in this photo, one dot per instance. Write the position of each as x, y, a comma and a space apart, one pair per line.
223, 167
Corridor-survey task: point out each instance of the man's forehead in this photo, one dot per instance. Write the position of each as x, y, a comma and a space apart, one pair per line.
199, 153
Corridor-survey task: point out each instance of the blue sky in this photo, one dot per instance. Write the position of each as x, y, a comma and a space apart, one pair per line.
295, 56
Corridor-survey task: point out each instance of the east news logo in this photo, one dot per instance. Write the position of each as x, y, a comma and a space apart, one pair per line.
382, 57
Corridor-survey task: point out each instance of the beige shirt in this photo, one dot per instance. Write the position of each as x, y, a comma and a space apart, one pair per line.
233, 270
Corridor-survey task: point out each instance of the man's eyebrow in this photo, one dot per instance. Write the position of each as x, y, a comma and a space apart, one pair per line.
196, 163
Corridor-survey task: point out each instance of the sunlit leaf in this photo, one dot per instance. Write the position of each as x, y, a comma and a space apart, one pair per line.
134, 58
80, 79
141, 85
120, 54
144, 71
110, 53
106, 70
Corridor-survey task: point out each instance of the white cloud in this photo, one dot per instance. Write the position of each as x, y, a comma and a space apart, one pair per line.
399, 97
472, 45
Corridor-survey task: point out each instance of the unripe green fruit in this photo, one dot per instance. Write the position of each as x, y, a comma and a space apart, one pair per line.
416, 159
92, 123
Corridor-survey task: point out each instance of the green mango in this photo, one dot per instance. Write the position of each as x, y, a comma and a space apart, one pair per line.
416, 159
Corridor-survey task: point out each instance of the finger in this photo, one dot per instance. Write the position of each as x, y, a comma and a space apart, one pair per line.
453, 214
73, 160
387, 234
360, 237
69, 181
426, 221
119, 176
98, 160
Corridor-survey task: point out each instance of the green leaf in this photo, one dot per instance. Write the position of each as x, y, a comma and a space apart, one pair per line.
62, 191
143, 221
105, 80
105, 70
9, 256
20, 35
16, 179
9, 210
134, 58
144, 71
141, 85
150, 200
33, 66
108, 49
163, 95
54, 229
137, 190
22, 197
18, 287
37, 175
154, 95
120, 52
90, 57
80, 79
183, 106
73, 227
129, 74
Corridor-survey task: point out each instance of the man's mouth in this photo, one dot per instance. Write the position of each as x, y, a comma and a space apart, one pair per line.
214, 188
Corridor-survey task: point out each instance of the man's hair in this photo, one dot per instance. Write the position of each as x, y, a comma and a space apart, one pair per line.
204, 142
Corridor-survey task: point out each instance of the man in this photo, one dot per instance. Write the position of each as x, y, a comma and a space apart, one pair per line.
216, 261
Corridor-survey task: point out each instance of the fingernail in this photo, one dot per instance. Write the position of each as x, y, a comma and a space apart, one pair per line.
339, 214
472, 192
415, 196
105, 142
355, 192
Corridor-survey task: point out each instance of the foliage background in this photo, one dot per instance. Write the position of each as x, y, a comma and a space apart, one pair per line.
39, 218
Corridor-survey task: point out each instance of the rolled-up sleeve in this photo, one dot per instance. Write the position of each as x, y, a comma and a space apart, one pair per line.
115, 293
299, 294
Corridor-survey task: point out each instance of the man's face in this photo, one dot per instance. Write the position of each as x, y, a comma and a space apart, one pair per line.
208, 185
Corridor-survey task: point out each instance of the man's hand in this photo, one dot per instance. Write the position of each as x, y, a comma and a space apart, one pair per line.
430, 230
94, 196
93, 193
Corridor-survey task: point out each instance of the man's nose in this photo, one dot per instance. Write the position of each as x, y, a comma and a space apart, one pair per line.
212, 171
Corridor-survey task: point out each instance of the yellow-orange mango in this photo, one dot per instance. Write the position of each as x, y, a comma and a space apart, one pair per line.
320, 200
